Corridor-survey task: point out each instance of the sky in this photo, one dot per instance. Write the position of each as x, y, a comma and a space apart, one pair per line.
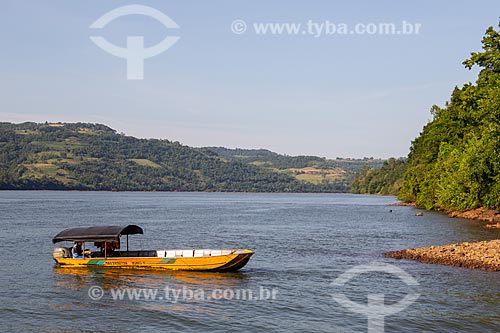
330, 94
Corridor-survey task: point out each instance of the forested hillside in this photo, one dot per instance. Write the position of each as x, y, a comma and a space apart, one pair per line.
94, 157
455, 162
385, 181
339, 172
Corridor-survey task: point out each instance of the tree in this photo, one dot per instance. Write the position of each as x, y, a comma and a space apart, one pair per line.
454, 163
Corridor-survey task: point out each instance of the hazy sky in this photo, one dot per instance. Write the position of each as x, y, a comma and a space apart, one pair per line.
333, 95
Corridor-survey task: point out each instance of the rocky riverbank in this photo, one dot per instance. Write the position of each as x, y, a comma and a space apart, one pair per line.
479, 255
479, 214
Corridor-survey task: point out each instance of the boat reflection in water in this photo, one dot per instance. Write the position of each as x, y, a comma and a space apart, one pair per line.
130, 278
156, 290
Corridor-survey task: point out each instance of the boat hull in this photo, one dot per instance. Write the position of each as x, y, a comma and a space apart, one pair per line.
227, 262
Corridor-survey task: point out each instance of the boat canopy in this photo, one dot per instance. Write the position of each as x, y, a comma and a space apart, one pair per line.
96, 234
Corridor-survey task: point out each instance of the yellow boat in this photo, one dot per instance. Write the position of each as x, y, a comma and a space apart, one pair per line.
107, 240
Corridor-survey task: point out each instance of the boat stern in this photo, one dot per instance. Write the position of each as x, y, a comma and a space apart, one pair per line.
61, 253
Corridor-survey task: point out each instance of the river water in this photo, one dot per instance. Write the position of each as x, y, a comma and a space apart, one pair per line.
303, 244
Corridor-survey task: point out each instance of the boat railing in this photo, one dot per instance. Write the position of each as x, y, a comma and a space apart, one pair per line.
192, 253
139, 253
183, 253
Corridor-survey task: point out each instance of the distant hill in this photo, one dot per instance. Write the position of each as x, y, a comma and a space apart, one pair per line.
266, 157
317, 170
86, 156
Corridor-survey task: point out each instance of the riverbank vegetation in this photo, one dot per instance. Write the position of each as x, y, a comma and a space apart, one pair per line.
454, 164
384, 181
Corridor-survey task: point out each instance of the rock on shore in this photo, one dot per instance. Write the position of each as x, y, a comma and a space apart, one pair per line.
480, 255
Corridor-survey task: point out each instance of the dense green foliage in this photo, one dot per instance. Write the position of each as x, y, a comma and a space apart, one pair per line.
455, 162
95, 157
386, 181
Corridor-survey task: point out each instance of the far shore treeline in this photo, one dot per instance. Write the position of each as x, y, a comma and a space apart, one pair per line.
82, 156
455, 162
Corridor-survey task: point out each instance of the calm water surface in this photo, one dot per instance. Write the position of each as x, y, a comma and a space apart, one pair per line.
302, 243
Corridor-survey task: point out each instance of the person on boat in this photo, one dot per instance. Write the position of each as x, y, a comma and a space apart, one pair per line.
111, 247
77, 250
108, 248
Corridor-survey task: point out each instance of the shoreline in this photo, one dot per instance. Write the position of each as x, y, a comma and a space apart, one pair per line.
215, 192
478, 214
484, 255
403, 204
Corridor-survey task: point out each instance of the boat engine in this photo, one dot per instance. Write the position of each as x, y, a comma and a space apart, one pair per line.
61, 252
